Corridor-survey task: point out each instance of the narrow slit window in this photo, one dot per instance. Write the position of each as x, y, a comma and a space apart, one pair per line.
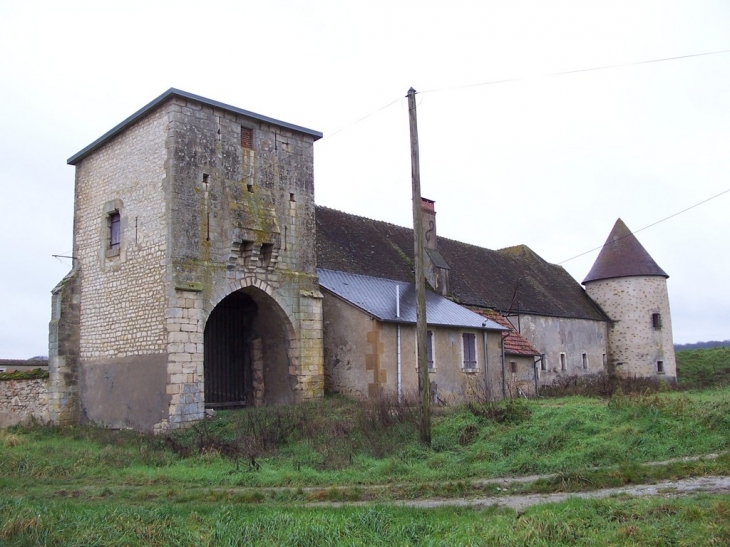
115, 221
429, 349
513, 367
584, 360
563, 362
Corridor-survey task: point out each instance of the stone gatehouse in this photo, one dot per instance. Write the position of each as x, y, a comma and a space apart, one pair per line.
193, 251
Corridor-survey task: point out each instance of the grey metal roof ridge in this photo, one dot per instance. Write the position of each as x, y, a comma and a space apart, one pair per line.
173, 92
431, 299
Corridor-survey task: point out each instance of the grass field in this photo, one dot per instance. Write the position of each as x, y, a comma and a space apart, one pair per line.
335, 442
696, 521
701, 368
246, 477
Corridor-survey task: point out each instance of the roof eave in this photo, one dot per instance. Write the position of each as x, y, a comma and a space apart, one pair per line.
172, 92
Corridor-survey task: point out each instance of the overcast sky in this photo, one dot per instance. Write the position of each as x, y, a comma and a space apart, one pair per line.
546, 161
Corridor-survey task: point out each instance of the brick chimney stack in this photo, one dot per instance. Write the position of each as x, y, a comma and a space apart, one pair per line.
429, 223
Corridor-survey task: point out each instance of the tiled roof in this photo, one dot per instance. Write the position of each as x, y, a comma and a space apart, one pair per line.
623, 256
514, 279
377, 297
514, 342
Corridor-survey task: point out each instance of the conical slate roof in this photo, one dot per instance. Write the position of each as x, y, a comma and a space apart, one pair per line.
622, 256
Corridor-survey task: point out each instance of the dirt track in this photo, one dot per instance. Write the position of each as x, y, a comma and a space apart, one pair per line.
520, 502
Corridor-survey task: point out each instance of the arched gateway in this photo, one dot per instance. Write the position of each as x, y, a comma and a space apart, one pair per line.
247, 344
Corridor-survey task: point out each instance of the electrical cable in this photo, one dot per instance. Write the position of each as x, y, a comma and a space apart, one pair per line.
648, 226
576, 71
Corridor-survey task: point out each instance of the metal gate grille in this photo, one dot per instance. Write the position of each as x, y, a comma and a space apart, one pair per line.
227, 357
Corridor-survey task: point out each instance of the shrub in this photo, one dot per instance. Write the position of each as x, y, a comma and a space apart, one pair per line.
602, 385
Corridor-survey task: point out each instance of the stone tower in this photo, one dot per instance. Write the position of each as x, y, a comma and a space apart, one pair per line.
194, 282
632, 289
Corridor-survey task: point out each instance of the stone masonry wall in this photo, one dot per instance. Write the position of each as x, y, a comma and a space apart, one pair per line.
635, 345
124, 302
22, 401
242, 217
553, 336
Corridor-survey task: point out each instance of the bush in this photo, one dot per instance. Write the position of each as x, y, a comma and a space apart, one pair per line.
512, 411
35, 374
332, 429
602, 385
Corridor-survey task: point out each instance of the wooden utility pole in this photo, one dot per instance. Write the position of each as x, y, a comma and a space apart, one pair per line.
424, 385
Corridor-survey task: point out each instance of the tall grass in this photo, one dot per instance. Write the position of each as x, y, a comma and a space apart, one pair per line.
340, 442
696, 520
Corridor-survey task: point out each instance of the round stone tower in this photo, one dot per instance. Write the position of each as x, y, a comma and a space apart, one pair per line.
632, 289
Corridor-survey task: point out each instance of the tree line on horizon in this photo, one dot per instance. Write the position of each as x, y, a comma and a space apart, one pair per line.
702, 345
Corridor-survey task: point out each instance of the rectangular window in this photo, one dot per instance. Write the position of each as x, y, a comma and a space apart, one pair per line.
660, 367
470, 351
429, 349
563, 362
543, 363
513, 367
114, 229
656, 320
604, 360
584, 360
246, 138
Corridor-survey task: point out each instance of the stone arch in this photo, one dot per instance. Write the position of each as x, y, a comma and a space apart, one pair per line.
250, 347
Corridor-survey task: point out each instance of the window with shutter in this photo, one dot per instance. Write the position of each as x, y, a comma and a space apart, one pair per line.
470, 353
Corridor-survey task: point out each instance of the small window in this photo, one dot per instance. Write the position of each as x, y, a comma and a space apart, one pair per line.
246, 138
563, 362
604, 360
660, 367
584, 360
114, 229
470, 351
543, 363
513, 367
429, 349
656, 320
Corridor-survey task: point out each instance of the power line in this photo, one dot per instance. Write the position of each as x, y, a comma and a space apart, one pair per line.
576, 71
508, 80
363, 118
649, 226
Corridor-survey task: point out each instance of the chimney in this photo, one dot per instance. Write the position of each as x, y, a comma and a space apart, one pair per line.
437, 269
429, 223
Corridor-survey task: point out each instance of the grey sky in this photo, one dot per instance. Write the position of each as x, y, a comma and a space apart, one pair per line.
550, 162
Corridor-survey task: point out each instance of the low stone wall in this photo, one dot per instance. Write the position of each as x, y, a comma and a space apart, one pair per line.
22, 401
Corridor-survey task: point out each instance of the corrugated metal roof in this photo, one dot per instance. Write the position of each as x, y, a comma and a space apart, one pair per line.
172, 92
377, 297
